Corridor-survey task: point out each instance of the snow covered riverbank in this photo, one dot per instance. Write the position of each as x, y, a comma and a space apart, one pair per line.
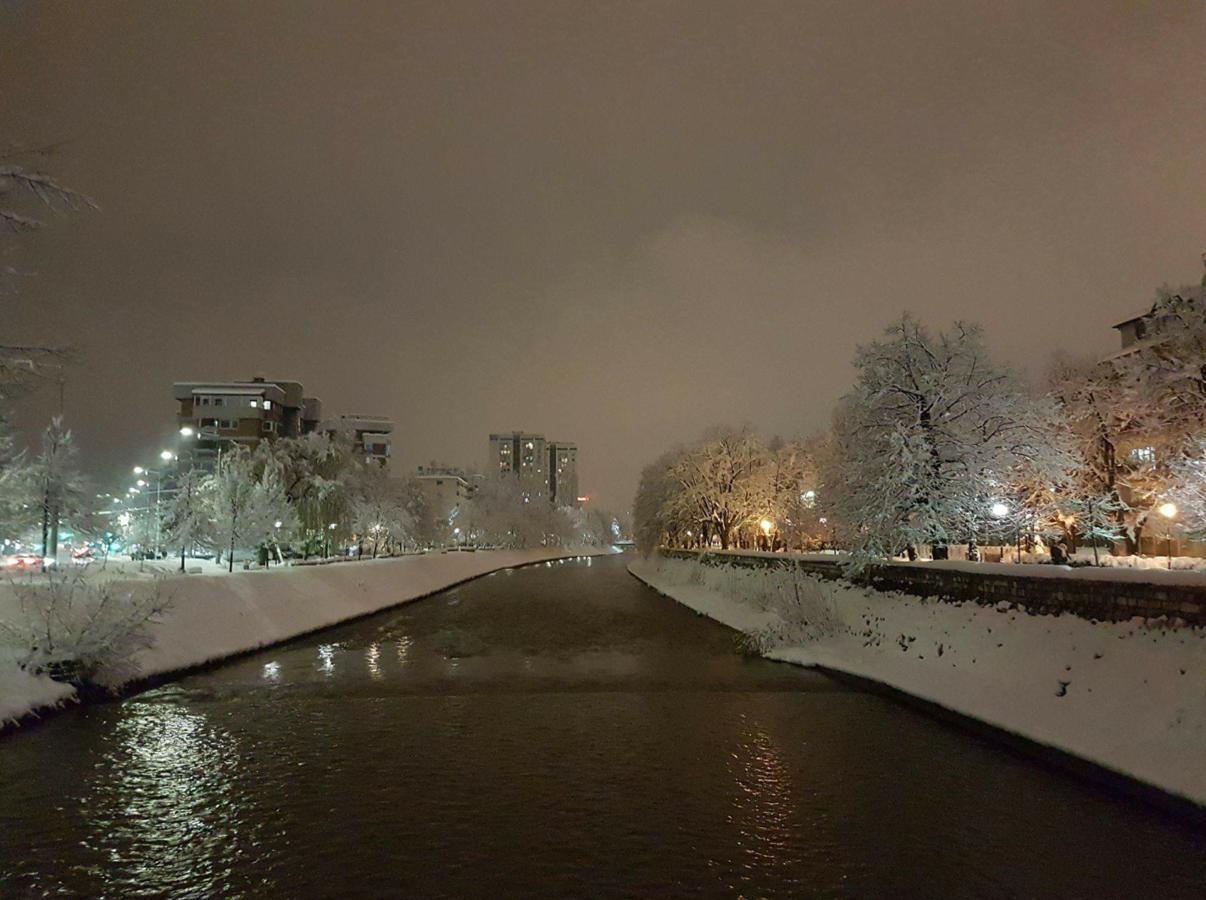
220, 615
1128, 696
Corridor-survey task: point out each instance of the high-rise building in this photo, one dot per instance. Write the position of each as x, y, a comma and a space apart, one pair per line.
563, 473
522, 456
545, 470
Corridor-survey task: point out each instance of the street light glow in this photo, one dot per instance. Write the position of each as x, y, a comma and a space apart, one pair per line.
186, 432
138, 470
166, 455
767, 525
1168, 510
1000, 510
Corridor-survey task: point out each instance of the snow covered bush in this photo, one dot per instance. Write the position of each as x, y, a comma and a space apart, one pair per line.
90, 631
804, 608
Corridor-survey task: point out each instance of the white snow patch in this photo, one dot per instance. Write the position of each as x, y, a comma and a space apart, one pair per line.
1129, 696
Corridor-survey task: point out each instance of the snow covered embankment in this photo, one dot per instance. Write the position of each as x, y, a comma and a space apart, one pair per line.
216, 616
1129, 696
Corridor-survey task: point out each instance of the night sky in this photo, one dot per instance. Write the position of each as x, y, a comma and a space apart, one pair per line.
613, 223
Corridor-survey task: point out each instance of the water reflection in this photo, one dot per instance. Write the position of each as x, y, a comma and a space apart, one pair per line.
162, 811
403, 644
372, 655
326, 659
764, 808
272, 671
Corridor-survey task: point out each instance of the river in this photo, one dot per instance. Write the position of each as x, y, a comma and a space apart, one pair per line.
558, 730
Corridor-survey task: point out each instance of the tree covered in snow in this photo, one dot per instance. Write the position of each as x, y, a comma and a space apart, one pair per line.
380, 516
190, 516
16, 513
247, 501
1189, 489
318, 473
655, 518
57, 486
95, 627
716, 483
926, 439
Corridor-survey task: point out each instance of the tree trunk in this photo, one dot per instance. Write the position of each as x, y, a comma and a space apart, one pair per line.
230, 567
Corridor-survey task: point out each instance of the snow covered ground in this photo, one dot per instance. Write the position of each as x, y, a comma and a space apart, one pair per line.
218, 615
1128, 696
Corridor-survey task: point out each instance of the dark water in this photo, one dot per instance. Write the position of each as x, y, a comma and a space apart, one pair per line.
556, 731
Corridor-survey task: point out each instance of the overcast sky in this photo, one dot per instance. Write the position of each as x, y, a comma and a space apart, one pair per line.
614, 223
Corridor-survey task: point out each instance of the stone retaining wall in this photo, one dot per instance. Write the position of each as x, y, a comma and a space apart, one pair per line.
1103, 600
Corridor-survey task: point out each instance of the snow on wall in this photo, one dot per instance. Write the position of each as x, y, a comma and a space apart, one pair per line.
220, 615
1129, 696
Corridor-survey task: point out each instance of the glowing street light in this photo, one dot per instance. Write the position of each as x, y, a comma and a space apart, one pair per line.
167, 455
1169, 511
999, 510
187, 431
138, 470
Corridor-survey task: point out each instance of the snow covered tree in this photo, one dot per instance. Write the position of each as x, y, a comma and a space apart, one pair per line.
716, 482
925, 439
247, 504
317, 473
652, 510
1189, 489
189, 521
95, 628
379, 511
58, 486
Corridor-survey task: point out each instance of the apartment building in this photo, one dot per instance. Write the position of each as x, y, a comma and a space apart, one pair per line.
212, 415
546, 470
445, 490
523, 456
563, 473
371, 436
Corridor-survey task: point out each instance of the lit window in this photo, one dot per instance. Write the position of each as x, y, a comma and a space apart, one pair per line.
255, 404
267, 404
1143, 455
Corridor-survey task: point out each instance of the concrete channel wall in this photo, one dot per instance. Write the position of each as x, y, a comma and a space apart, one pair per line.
1100, 597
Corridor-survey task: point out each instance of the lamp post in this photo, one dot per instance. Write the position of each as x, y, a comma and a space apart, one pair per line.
166, 456
1169, 511
766, 525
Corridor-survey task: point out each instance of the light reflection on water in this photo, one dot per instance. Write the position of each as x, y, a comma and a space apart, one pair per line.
326, 659
163, 811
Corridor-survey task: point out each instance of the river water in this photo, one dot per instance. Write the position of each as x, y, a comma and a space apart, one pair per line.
558, 730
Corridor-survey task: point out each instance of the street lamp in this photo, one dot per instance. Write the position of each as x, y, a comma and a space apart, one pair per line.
1169, 511
187, 431
999, 510
766, 525
167, 455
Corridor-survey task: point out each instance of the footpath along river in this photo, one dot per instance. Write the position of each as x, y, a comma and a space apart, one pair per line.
558, 730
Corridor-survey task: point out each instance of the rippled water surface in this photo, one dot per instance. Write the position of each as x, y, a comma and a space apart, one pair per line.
559, 730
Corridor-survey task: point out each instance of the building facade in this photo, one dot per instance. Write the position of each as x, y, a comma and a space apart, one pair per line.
563, 473
522, 456
371, 436
545, 470
214, 415
445, 490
